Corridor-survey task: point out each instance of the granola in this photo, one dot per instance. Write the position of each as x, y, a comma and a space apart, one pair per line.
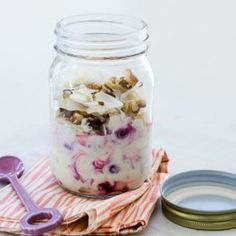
93, 104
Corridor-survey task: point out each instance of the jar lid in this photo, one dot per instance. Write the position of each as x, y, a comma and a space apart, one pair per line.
201, 199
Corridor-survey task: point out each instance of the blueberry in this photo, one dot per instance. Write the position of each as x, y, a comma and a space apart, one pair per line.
122, 133
114, 169
106, 187
68, 146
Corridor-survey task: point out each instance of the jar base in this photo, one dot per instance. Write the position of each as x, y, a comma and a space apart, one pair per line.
93, 196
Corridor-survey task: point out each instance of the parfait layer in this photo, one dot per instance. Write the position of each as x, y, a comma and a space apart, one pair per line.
101, 137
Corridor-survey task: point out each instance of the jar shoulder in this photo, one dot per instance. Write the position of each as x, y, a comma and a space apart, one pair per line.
64, 68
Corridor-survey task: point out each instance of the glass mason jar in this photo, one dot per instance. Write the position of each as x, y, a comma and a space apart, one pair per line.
101, 105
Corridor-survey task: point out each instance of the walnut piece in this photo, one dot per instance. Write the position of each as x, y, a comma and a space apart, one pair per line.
133, 106
108, 90
95, 86
113, 84
130, 78
124, 83
76, 118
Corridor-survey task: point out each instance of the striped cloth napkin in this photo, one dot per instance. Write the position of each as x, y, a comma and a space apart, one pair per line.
125, 213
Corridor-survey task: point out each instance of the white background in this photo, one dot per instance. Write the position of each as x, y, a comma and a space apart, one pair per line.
193, 54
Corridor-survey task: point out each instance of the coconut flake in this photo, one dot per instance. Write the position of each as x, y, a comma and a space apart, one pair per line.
70, 105
108, 103
83, 95
81, 98
124, 96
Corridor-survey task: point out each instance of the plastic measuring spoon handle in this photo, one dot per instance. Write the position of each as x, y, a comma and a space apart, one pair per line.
22, 194
37, 220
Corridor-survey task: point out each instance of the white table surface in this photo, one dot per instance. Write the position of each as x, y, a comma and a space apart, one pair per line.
192, 51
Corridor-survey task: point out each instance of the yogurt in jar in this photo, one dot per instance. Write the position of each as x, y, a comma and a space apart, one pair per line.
101, 137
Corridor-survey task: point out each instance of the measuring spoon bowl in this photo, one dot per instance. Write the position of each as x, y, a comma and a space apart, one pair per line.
10, 165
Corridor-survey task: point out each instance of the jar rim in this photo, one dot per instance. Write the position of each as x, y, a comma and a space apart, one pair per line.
101, 35
98, 17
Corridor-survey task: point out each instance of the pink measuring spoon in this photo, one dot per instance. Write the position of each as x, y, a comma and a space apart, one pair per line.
37, 220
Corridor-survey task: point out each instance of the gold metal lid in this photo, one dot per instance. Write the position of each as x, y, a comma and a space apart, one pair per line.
202, 199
